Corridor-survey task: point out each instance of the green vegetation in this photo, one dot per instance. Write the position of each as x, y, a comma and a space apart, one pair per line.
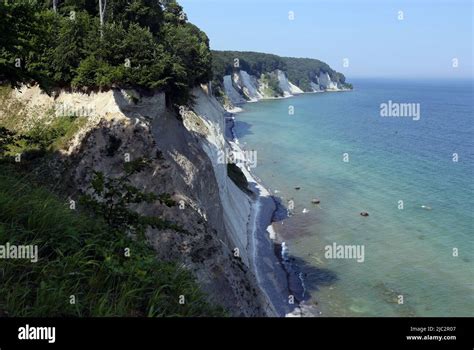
273, 87
12, 111
254, 63
348, 86
8, 140
111, 198
300, 71
96, 253
55, 135
142, 44
41, 140
83, 252
238, 177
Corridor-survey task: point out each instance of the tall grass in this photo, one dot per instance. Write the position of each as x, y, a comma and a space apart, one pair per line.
82, 268
82, 257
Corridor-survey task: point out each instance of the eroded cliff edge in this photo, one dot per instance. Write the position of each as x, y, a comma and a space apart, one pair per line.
183, 151
246, 76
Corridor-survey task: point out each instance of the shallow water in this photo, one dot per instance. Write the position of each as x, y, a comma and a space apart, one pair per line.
407, 251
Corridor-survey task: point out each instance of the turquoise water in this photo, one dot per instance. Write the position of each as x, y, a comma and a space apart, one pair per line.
408, 251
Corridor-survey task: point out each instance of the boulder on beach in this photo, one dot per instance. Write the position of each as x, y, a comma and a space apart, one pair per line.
364, 213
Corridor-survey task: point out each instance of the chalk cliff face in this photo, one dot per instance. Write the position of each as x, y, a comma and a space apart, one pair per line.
325, 82
240, 87
207, 122
248, 85
231, 91
184, 153
288, 88
315, 86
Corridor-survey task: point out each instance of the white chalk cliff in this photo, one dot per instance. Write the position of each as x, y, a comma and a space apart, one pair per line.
326, 83
231, 91
184, 152
241, 87
249, 85
288, 88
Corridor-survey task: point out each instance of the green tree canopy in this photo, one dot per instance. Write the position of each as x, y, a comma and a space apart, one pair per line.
143, 43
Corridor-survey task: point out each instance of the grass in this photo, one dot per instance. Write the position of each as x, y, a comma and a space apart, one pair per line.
272, 89
80, 256
56, 135
13, 110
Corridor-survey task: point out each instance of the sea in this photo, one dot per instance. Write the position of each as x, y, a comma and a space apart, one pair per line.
401, 151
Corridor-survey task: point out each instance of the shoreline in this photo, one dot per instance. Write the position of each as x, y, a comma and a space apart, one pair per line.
269, 273
237, 108
267, 235
282, 283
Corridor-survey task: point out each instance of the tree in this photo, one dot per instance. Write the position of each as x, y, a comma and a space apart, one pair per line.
165, 51
300, 71
70, 47
8, 139
18, 25
102, 6
111, 199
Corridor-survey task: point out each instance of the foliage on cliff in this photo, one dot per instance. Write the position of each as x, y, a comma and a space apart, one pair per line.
272, 85
88, 262
238, 177
300, 71
141, 43
254, 63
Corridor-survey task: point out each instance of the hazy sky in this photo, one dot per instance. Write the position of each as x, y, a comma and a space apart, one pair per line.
366, 32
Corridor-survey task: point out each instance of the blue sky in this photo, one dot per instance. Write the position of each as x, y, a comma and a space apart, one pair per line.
366, 32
